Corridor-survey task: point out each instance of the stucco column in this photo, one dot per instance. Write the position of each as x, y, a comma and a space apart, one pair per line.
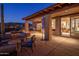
26, 26
48, 27
58, 26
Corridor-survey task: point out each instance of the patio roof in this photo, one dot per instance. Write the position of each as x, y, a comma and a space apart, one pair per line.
47, 10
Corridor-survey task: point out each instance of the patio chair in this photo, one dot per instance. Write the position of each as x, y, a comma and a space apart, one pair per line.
29, 44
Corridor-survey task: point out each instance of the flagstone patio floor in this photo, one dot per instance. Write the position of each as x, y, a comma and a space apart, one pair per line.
57, 46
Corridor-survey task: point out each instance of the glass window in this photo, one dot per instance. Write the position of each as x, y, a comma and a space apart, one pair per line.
53, 24
72, 25
75, 25
39, 26
65, 26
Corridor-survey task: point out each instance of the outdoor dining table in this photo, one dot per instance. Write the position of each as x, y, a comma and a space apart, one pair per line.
15, 44
18, 39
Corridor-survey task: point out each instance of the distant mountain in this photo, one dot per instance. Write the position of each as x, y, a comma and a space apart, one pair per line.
11, 26
12, 23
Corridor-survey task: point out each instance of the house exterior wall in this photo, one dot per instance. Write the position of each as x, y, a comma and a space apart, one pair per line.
58, 26
61, 13
37, 19
37, 23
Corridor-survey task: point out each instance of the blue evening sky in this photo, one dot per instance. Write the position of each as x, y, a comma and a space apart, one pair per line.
15, 12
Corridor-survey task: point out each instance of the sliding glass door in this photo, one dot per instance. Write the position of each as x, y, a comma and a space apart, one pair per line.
53, 24
65, 26
74, 25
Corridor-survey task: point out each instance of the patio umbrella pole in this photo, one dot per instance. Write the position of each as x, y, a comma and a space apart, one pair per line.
2, 20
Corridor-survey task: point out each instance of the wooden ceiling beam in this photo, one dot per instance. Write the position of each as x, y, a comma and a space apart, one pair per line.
51, 8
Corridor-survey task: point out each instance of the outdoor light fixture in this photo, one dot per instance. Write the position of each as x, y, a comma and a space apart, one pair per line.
66, 11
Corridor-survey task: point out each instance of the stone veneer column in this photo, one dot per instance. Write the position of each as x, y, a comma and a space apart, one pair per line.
58, 26
48, 27
26, 26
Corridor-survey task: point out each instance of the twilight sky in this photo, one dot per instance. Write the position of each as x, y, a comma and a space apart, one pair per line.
15, 12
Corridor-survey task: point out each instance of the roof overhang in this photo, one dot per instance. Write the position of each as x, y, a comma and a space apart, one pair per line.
49, 10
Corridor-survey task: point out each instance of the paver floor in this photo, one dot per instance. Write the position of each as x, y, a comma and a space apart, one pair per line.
57, 46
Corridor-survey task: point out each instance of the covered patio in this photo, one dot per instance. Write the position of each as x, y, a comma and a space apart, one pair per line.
56, 41
58, 20
42, 39
58, 46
